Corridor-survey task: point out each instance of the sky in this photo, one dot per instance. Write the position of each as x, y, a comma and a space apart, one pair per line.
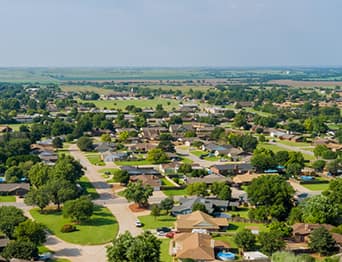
176, 33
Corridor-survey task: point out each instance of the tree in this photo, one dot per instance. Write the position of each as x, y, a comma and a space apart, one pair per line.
121, 176
245, 239
30, 231
198, 189
67, 168
60, 190
319, 165
157, 156
282, 256
37, 197
57, 142
320, 240
263, 159
281, 228
282, 157
272, 195
166, 146
79, 210
10, 218
293, 169
39, 174
319, 209
295, 158
14, 174
126, 248
271, 242
138, 193
199, 207
167, 204
106, 138
20, 250
155, 211
85, 143
185, 168
221, 190
335, 166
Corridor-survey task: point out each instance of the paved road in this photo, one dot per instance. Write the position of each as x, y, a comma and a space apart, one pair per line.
301, 189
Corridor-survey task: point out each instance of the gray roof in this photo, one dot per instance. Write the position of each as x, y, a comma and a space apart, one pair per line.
9, 187
187, 203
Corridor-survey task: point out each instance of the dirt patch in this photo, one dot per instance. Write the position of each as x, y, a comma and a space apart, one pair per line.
135, 208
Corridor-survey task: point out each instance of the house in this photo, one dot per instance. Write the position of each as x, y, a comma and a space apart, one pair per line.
152, 133
109, 156
216, 149
212, 205
247, 178
301, 231
141, 147
170, 168
255, 256
48, 157
151, 180
199, 221
195, 246
105, 146
135, 171
14, 189
231, 169
209, 179
5, 129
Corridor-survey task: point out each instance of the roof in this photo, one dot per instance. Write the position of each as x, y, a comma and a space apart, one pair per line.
247, 178
230, 167
199, 220
194, 246
209, 179
140, 170
187, 203
151, 180
10, 187
305, 229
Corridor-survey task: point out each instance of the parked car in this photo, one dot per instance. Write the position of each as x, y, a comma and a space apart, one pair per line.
138, 223
161, 233
163, 229
170, 234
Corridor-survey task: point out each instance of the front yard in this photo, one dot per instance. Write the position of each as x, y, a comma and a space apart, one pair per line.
150, 222
7, 199
100, 229
95, 159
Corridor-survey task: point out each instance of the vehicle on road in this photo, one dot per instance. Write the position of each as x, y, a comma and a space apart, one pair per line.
138, 223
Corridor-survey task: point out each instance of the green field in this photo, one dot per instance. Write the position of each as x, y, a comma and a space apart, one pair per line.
168, 104
102, 222
164, 249
150, 222
316, 187
276, 149
7, 199
90, 189
175, 192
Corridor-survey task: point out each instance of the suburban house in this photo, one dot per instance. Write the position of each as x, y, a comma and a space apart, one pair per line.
109, 156
151, 180
170, 168
141, 147
217, 150
105, 146
152, 133
212, 205
14, 189
135, 171
199, 221
48, 157
231, 169
247, 178
195, 246
5, 129
209, 179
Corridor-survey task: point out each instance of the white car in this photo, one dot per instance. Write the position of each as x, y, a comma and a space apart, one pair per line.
138, 223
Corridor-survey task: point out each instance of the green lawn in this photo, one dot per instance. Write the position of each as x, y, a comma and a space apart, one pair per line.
316, 187
150, 222
276, 148
168, 104
243, 212
164, 248
7, 199
16, 127
85, 183
64, 150
175, 192
166, 182
95, 159
186, 160
235, 226
198, 153
134, 163
292, 143
110, 170
227, 238
101, 228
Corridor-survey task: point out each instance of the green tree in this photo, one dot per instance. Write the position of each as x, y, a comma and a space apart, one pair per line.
79, 210
157, 156
67, 168
106, 138
167, 204
60, 190
199, 207
57, 142
85, 143
245, 240
138, 193
293, 169
320, 240
14, 174
20, 250
263, 159
30, 231
10, 218
271, 242
282, 157
118, 250
319, 165
221, 190
271, 194
282, 256
166, 146
121, 176
281, 228
39, 174
155, 211
37, 197
185, 168
198, 189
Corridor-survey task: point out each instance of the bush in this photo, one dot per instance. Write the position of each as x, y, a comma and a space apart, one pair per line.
67, 228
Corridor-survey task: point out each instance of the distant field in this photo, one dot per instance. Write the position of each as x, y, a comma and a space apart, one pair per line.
121, 104
86, 88
306, 83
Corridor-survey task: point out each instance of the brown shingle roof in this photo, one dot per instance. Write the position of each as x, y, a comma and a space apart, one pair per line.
199, 220
305, 229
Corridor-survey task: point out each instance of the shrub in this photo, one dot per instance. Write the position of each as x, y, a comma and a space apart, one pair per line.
67, 228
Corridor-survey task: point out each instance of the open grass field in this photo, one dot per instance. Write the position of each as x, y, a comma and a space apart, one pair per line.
168, 104
7, 199
243, 212
164, 249
175, 192
235, 226
86, 88
150, 222
316, 187
101, 228
90, 189
292, 143
95, 159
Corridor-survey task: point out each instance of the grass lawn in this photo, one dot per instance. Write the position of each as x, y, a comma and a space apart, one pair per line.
292, 143
229, 239
133, 163
235, 226
101, 228
198, 153
166, 182
243, 212
276, 148
167, 104
186, 160
110, 170
316, 187
175, 192
85, 183
60, 260
7, 199
150, 222
16, 127
94, 158
164, 248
